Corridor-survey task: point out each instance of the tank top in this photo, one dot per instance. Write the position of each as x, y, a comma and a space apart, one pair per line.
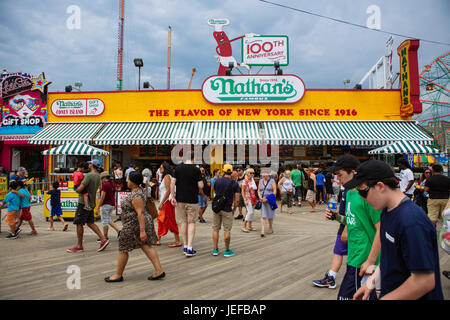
286, 185
162, 189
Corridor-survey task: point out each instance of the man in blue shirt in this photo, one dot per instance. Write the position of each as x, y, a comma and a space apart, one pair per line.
225, 185
20, 176
409, 262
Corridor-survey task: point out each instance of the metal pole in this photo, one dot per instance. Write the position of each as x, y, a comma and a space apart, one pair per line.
139, 86
168, 59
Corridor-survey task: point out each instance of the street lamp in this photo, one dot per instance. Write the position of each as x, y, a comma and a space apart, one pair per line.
346, 81
139, 63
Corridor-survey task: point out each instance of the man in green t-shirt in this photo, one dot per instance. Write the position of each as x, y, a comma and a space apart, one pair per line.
90, 184
297, 178
363, 239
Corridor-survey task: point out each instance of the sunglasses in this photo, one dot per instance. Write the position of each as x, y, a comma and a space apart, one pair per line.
427, 172
364, 192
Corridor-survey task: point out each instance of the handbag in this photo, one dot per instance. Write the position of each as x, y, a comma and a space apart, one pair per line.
151, 208
259, 203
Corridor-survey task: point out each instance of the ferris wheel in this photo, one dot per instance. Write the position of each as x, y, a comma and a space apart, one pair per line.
435, 89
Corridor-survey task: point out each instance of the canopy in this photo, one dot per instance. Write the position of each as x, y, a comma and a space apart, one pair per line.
404, 147
75, 148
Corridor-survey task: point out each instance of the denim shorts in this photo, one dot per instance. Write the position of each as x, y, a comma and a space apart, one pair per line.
202, 203
105, 213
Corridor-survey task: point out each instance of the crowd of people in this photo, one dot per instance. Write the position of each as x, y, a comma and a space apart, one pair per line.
390, 241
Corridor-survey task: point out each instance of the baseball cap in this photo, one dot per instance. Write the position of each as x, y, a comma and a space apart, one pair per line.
228, 168
347, 161
104, 174
95, 163
22, 169
370, 170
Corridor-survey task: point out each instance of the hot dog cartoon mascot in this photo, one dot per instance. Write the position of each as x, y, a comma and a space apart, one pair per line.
224, 51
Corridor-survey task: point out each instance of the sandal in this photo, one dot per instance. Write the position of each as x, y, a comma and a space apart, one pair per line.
245, 230
174, 244
157, 243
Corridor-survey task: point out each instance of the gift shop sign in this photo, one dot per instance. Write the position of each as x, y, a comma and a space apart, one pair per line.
78, 107
265, 50
248, 89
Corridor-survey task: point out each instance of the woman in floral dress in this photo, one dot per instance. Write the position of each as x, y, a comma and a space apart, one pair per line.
138, 230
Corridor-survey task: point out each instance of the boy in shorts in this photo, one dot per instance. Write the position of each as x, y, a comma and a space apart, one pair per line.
77, 177
25, 212
13, 201
55, 202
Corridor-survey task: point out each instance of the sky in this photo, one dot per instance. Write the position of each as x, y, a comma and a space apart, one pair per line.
35, 38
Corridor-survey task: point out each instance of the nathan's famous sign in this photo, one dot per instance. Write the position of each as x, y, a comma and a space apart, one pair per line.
253, 89
409, 78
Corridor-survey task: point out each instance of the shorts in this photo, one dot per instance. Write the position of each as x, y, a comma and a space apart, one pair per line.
298, 192
11, 218
435, 208
105, 214
329, 190
340, 248
225, 218
25, 214
83, 216
310, 196
351, 283
186, 212
286, 198
56, 211
241, 201
201, 203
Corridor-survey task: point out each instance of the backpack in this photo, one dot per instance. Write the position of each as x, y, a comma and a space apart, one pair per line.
220, 200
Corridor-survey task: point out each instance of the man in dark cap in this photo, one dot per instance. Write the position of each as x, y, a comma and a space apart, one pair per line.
409, 264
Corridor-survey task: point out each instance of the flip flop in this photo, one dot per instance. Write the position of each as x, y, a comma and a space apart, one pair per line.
50, 229
174, 244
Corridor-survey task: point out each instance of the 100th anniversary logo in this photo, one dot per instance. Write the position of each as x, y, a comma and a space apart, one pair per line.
253, 89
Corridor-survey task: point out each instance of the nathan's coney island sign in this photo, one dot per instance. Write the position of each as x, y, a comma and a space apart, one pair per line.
257, 50
253, 88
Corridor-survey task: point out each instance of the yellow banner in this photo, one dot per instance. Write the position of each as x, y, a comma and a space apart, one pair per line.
3, 188
190, 105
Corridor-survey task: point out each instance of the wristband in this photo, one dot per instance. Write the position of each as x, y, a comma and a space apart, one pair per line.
142, 228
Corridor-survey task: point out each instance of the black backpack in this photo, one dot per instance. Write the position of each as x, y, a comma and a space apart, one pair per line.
220, 200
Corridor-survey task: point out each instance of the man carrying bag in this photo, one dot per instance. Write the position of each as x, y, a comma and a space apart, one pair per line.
227, 193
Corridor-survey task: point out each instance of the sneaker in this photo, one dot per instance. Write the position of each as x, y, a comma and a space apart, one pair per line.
103, 245
228, 253
327, 282
75, 249
100, 240
202, 221
11, 236
190, 253
299, 204
215, 252
18, 231
239, 217
87, 208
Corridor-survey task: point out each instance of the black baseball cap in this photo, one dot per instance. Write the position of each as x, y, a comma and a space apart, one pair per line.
347, 161
370, 170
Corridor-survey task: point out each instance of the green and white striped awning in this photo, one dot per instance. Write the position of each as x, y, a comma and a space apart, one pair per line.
75, 148
404, 147
370, 133
60, 133
193, 132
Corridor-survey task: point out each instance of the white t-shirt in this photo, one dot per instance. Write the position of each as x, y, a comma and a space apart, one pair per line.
127, 173
406, 176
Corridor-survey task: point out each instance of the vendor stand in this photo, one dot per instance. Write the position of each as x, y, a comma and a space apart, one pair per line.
67, 158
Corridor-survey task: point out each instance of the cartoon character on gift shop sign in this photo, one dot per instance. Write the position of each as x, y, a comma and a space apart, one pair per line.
22, 106
224, 49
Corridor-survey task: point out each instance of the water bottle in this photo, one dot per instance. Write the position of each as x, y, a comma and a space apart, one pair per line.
332, 204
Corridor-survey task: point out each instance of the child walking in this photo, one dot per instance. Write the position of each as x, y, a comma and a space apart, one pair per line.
55, 201
25, 206
77, 177
13, 201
